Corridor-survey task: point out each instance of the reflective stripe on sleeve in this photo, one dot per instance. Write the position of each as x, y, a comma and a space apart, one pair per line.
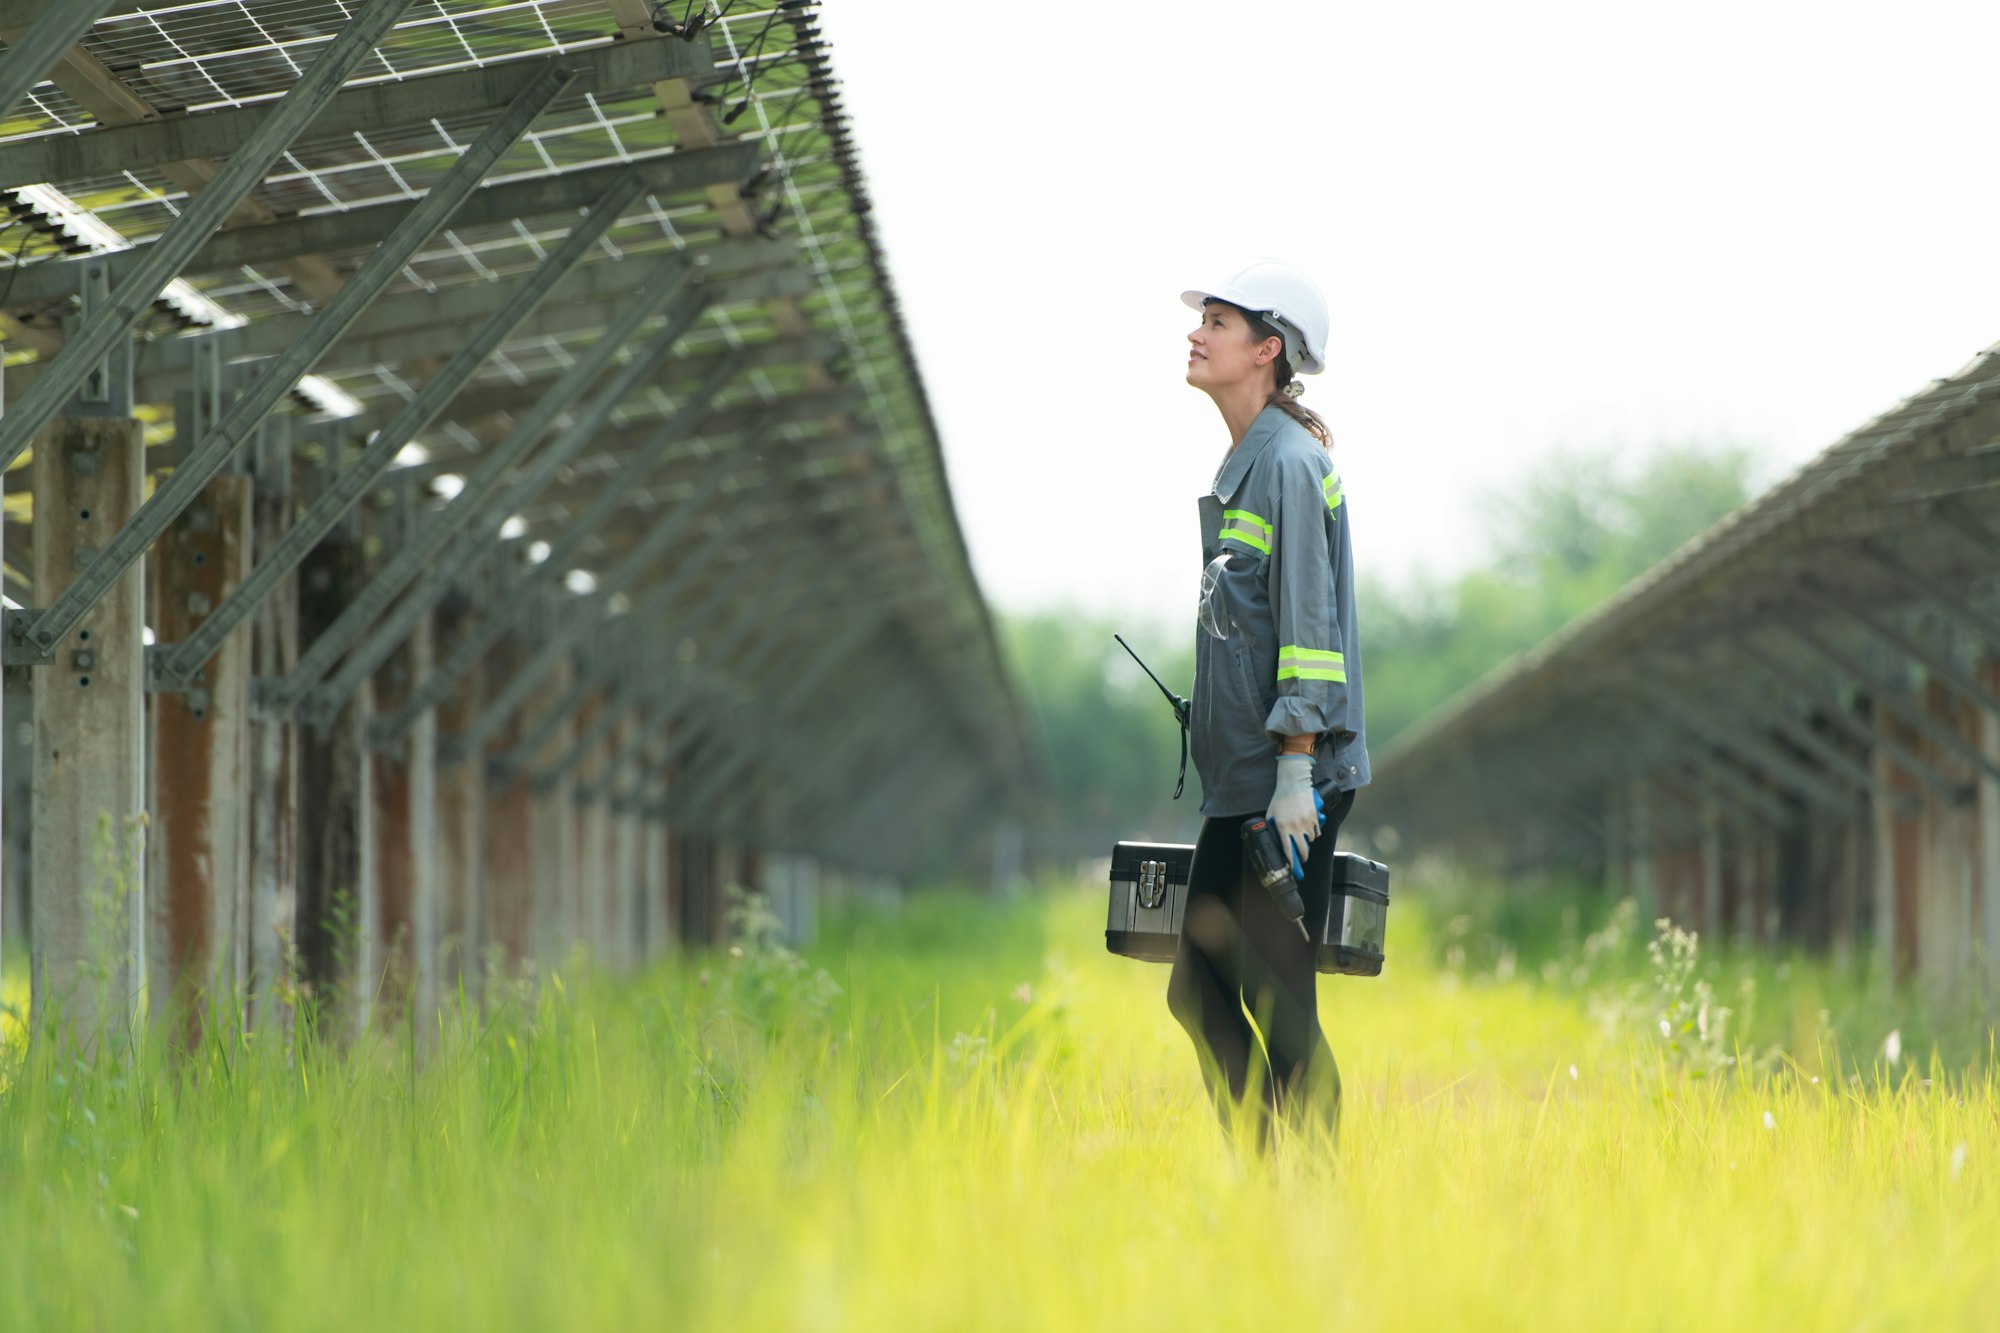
1330, 488
1243, 526
1295, 663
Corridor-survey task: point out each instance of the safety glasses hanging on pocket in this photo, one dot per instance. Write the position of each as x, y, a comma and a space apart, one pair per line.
1213, 608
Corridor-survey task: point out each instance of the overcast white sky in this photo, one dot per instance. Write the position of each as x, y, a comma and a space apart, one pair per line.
1537, 224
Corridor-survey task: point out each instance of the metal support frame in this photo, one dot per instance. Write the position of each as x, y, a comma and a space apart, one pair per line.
1981, 623
1971, 529
1885, 697
770, 739
1928, 657
497, 620
1831, 708
364, 228
1755, 751
788, 703
106, 390
475, 500
160, 262
28, 60
769, 618
33, 636
176, 664
456, 95
575, 621
1733, 716
649, 694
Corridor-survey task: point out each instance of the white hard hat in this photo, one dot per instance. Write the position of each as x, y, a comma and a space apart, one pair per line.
1281, 296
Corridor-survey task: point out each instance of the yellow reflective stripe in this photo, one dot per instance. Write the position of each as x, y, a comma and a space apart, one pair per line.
1330, 488
1296, 663
1246, 517
1249, 539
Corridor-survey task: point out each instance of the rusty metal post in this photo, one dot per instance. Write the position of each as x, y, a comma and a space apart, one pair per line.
198, 855
404, 792
337, 909
87, 912
508, 922
552, 836
593, 844
656, 868
461, 826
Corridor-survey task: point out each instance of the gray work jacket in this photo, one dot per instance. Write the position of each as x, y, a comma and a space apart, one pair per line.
1291, 662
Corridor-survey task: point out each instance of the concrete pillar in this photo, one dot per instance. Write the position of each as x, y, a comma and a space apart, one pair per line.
1893, 875
595, 887
271, 924
655, 878
404, 793
198, 871
339, 905
87, 872
1987, 891
1711, 869
461, 832
508, 860
552, 833
1644, 837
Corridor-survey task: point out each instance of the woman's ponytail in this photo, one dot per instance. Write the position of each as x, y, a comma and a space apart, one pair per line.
1285, 393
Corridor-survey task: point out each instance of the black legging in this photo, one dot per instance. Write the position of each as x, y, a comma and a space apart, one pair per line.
1237, 949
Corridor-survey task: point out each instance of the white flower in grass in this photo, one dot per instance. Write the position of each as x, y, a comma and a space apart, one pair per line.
1572, 1073
1892, 1046
1957, 1160
1770, 1121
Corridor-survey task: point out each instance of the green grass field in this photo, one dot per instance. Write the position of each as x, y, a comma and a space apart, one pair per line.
992, 1124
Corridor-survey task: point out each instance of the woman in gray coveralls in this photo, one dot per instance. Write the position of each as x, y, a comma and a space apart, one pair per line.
1276, 715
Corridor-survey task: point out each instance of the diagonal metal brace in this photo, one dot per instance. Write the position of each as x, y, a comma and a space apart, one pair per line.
474, 501
353, 480
241, 421
160, 261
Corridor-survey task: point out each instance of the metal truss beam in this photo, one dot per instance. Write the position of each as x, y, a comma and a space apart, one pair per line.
406, 325
177, 664
435, 582
461, 94
1886, 697
1928, 657
40, 634
767, 618
29, 57
1744, 722
139, 281
363, 228
582, 615
1918, 585
791, 642
618, 444
789, 703
1704, 739
1830, 707
486, 493
648, 696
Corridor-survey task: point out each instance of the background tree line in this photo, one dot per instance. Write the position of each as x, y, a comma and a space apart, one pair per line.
1574, 529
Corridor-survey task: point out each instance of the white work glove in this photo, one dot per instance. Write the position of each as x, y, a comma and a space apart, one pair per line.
1293, 808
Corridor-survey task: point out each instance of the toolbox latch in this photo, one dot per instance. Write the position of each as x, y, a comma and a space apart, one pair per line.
1152, 883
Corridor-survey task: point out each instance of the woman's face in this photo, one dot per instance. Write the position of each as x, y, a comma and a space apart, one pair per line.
1222, 354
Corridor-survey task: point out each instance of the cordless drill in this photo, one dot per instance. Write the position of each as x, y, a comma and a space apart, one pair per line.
1278, 872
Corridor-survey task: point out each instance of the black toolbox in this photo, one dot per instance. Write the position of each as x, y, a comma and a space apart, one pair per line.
1149, 892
